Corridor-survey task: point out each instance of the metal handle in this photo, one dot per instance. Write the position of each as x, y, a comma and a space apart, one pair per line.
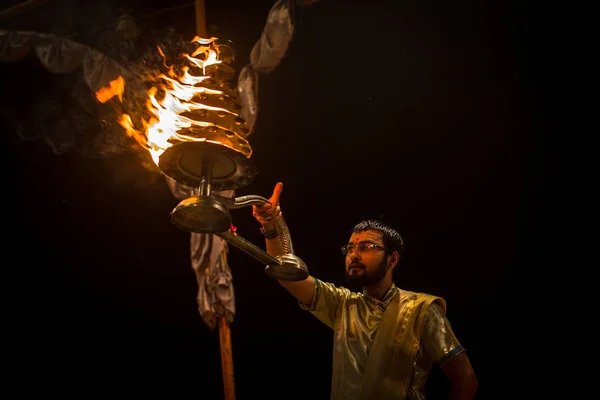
287, 267
248, 247
284, 236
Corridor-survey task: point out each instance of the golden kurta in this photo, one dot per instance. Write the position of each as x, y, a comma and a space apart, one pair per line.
379, 355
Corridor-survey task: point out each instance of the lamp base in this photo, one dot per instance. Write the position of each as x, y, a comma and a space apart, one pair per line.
185, 161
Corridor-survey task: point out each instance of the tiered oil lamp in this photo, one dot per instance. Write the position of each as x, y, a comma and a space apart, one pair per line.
210, 153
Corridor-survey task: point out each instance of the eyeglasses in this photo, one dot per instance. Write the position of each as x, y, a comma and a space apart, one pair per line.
363, 247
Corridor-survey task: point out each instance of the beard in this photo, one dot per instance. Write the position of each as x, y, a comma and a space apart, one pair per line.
357, 280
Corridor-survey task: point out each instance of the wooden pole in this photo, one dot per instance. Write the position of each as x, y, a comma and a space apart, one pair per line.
201, 19
224, 329
226, 352
226, 359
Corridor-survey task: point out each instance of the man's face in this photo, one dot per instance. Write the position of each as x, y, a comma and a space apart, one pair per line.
367, 267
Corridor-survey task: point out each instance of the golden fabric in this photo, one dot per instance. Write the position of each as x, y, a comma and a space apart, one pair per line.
416, 335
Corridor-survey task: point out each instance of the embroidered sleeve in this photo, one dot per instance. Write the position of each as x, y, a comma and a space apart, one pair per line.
437, 336
325, 302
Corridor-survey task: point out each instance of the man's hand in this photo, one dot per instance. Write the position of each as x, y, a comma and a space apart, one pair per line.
268, 213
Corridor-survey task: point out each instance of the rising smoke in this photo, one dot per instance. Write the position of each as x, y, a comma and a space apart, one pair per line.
55, 58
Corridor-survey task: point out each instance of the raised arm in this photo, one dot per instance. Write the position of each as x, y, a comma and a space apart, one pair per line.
267, 215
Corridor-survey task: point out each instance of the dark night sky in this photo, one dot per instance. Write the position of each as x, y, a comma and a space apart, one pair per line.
426, 114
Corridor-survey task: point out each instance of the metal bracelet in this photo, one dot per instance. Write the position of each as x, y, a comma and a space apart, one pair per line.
269, 234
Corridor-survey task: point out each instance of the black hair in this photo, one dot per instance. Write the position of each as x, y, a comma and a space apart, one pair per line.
392, 240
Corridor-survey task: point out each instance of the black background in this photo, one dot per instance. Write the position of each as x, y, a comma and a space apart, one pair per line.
429, 115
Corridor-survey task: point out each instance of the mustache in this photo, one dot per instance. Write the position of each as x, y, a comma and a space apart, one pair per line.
356, 265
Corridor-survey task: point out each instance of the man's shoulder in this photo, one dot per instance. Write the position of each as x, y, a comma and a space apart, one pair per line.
415, 294
423, 298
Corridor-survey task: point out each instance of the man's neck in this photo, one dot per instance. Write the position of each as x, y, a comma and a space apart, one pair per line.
378, 290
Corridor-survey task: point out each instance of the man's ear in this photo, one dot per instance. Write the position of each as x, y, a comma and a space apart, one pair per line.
393, 259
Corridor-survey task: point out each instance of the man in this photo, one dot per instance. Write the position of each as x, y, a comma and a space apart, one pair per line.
386, 340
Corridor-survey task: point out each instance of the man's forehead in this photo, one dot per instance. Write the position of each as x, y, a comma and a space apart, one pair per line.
366, 236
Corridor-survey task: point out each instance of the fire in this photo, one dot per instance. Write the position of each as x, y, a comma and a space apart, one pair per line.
189, 105
115, 88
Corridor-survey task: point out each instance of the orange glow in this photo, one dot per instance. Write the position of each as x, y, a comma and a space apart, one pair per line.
174, 104
115, 88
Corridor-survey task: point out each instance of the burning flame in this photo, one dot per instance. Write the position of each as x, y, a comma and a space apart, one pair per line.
178, 93
115, 88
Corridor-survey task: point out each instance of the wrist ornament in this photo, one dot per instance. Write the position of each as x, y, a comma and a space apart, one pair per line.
269, 233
